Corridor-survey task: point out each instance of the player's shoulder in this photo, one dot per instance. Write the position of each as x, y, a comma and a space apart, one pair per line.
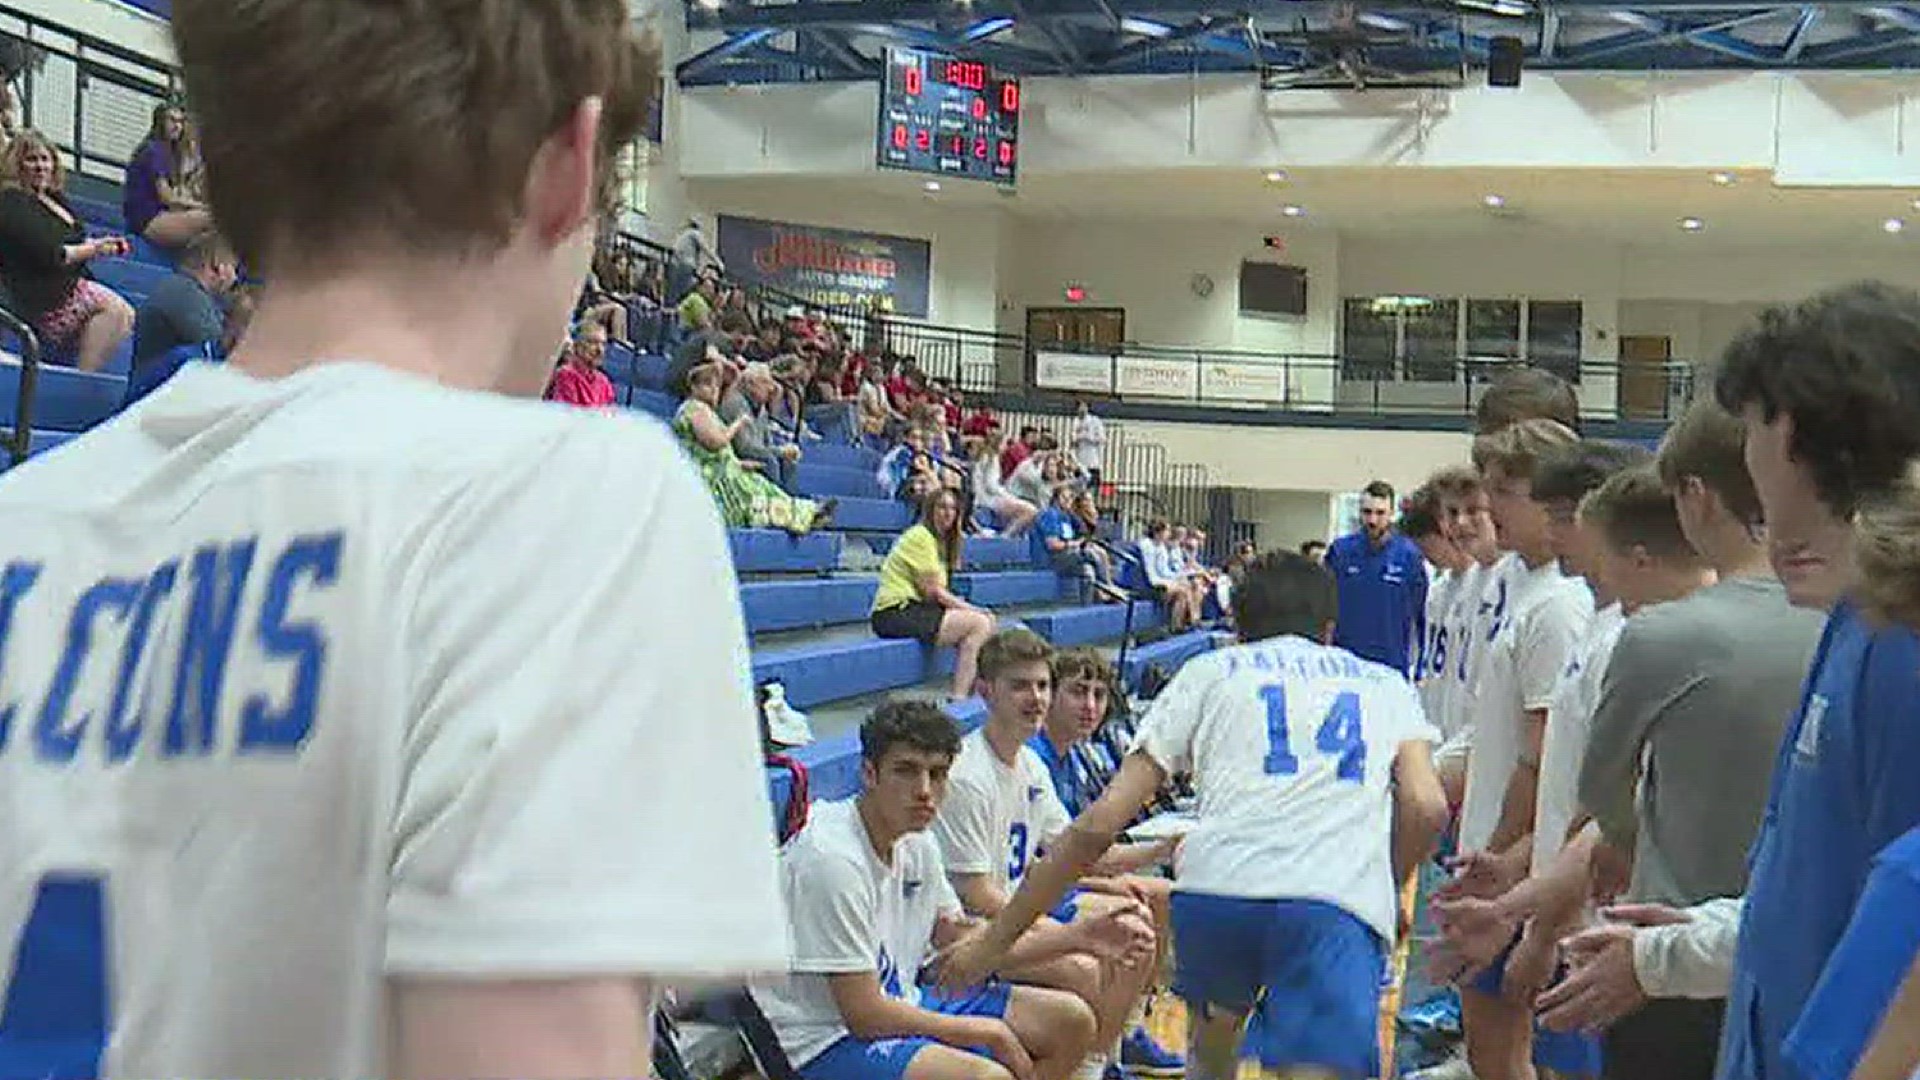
972, 770
825, 850
918, 853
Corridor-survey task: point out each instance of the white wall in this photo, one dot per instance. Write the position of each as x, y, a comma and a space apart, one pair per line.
114, 22
1283, 519
966, 242
1302, 459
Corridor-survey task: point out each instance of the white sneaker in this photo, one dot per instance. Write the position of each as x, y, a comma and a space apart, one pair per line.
1454, 1068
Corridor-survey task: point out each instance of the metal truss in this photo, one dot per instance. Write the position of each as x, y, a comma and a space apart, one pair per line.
1365, 42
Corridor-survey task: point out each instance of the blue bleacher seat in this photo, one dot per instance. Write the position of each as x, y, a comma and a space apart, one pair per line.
983, 551
843, 456
98, 212
1169, 653
1067, 627
65, 399
654, 402
820, 481
127, 277
1007, 589
650, 371
796, 603
772, 551
872, 515
816, 672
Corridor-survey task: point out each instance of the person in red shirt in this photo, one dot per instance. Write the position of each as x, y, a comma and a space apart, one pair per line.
1017, 451
579, 380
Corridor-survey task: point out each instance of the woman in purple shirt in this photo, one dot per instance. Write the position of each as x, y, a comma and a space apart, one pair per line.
159, 197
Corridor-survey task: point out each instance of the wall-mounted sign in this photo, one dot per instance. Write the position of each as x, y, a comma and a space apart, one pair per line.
830, 267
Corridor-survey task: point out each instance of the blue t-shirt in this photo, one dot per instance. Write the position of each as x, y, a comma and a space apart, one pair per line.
1866, 969
1383, 597
1843, 789
1075, 777
1052, 524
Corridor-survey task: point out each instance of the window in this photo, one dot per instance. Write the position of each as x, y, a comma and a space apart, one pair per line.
1424, 338
1493, 329
1553, 336
1432, 341
1370, 334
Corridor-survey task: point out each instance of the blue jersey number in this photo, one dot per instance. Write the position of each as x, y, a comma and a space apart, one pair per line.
1342, 734
55, 1017
1017, 859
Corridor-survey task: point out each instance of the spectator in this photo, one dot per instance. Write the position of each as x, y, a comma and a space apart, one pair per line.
1029, 481
1163, 576
1089, 443
1060, 543
696, 308
44, 251
878, 418
1014, 513
747, 499
158, 198
579, 379
693, 256
1383, 585
186, 307
1314, 549
915, 599
1015, 453
754, 442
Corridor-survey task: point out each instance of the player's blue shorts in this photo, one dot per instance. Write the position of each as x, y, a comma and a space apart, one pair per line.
887, 1059
1068, 909
1307, 971
1570, 1053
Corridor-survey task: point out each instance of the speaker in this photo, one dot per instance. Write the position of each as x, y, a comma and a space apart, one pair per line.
1505, 57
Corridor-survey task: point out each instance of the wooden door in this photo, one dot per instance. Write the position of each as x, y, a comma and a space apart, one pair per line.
1092, 329
1643, 387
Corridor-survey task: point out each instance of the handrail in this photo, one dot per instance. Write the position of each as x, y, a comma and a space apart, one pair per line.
20, 440
89, 59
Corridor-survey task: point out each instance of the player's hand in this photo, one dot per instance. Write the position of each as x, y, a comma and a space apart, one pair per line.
1530, 967
1612, 871
1482, 874
997, 1039
1123, 935
1601, 985
1446, 964
964, 963
1476, 928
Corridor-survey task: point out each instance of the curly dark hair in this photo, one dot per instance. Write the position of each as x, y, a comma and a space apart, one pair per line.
1845, 366
1284, 593
918, 725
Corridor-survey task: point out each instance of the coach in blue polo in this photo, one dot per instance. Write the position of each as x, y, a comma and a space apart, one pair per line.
1383, 585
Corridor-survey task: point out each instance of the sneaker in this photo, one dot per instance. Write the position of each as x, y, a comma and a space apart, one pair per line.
1454, 1068
1140, 1053
1116, 1071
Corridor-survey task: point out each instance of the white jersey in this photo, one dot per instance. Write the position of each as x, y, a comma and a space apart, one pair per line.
1473, 614
851, 911
1291, 745
1569, 719
996, 816
1546, 615
325, 680
1432, 674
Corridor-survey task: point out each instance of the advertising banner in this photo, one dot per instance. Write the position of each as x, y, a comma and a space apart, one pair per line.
830, 267
1135, 376
1073, 371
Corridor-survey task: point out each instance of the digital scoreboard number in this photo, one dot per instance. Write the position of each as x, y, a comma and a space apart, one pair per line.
948, 117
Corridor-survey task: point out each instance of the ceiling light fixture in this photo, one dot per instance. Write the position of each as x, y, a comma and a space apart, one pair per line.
1893, 225
1724, 179
1291, 210
1493, 202
1277, 176
1691, 224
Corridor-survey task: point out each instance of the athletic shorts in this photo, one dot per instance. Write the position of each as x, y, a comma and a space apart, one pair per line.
1307, 971
915, 619
1569, 1053
887, 1059
1068, 909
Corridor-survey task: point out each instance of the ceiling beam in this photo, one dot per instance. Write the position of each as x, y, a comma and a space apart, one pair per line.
1797, 39
735, 45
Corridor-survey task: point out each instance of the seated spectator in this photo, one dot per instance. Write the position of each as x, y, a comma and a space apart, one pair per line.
158, 196
1087, 512
1029, 482
910, 472
868, 902
978, 422
1163, 575
579, 380
748, 500
1015, 452
44, 253
915, 599
185, 308
696, 308
879, 420
1059, 543
756, 442
1015, 514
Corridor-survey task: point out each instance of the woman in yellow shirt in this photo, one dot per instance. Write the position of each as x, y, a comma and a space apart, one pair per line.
914, 600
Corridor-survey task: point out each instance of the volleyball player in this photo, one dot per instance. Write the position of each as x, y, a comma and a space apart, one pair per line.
341, 733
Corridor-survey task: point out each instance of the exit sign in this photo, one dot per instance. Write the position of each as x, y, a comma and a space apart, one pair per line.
1076, 294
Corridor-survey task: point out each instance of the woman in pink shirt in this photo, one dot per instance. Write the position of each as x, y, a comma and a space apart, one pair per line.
578, 380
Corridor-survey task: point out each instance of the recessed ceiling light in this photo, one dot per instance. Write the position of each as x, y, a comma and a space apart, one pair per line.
1291, 210
931, 185
710, 5
1724, 179
1893, 225
1277, 176
1692, 224
1493, 202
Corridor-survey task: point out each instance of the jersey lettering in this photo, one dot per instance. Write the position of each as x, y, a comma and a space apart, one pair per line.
1342, 734
111, 622
1017, 857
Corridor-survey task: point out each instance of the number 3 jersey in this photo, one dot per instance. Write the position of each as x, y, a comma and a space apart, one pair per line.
996, 816
1291, 745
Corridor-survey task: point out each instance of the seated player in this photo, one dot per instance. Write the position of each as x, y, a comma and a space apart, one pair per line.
1082, 692
868, 900
1317, 796
1000, 811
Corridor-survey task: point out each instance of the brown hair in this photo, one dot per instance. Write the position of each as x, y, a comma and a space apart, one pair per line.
954, 542
17, 150
1635, 509
1886, 547
1709, 443
1018, 645
330, 125
1526, 393
1081, 663
1516, 449
1455, 482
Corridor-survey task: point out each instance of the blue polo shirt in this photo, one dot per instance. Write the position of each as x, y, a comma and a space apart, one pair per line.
1843, 790
1076, 779
1383, 597
1865, 971
1052, 524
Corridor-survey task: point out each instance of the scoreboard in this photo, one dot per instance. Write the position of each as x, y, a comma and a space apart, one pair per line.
948, 117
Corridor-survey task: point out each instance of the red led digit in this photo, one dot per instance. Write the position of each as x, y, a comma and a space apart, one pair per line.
1006, 153
913, 81
899, 136
979, 108
1010, 97
922, 139
958, 145
980, 149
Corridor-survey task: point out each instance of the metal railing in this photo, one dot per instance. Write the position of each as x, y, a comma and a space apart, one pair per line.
20, 438
94, 99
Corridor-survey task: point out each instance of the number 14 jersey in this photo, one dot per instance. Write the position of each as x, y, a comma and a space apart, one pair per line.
1291, 745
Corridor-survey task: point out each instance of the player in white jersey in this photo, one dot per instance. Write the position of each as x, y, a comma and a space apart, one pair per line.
1421, 521
340, 733
1547, 613
1317, 795
1468, 523
868, 901
999, 813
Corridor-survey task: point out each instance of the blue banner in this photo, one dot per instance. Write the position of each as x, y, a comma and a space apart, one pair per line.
831, 267
162, 8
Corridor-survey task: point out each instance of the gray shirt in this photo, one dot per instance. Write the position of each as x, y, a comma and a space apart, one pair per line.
179, 311
751, 442
1699, 691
